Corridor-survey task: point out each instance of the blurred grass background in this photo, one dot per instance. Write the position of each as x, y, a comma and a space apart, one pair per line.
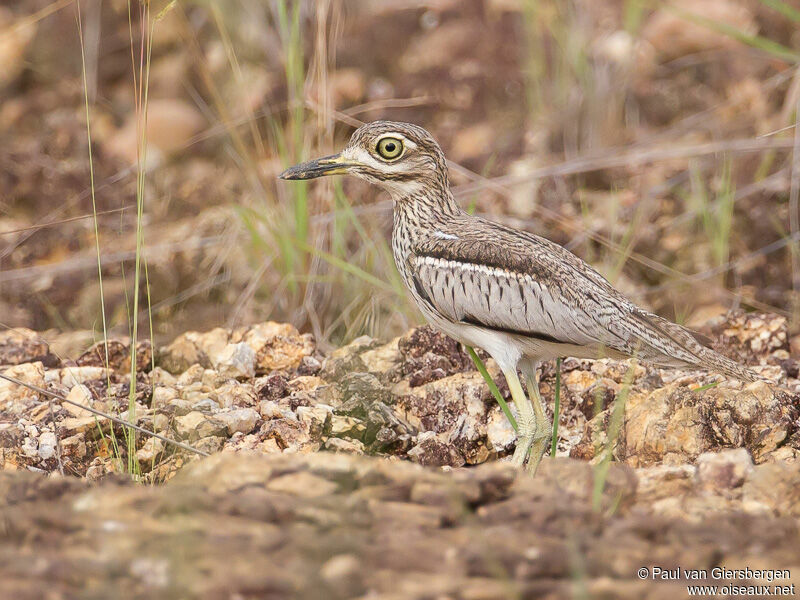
654, 139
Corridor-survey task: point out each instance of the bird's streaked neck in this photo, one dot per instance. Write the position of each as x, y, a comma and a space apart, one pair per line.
423, 201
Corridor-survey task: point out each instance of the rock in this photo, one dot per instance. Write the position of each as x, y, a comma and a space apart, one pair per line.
384, 361
348, 446
289, 435
358, 391
47, 445
272, 410
15, 398
237, 361
20, 345
343, 573
73, 447
150, 451
195, 425
309, 365
81, 395
405, 526
163, 396
273, 387
237, 395
457, 407
315, 418
72, 376
302, 484
205, 405
723, 470
429, 355
192, 378
666, 481
473, 142
773, 487
99, 469
81, 425
30, 447
749, 338
675, 424
179, 407
181, 354
348, 86
430, 450
500, 435
160, 377
341, 426
210, 444
306, 383
14, 43
347, 359
673, 34
171, 124
241, 420
119, 356
277, 346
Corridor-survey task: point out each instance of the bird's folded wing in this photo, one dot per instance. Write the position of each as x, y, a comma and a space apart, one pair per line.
517, 286
525, 285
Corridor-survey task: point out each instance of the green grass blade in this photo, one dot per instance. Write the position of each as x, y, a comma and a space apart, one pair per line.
783, 8
755, 41
345, 266
492, 386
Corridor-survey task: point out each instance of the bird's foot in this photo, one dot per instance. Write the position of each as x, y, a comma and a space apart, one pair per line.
532, 443
525, 441
539, 444
522, 451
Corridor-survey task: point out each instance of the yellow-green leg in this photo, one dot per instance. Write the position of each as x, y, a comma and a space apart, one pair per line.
526, 419
534, 428
543, 432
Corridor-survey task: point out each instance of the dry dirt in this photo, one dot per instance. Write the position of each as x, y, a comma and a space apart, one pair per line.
287, 506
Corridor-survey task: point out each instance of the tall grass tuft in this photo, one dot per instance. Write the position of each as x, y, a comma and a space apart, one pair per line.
114, 449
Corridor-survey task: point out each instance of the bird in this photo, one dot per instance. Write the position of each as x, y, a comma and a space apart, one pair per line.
520, 297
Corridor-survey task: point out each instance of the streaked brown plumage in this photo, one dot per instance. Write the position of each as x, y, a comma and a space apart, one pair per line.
520, 297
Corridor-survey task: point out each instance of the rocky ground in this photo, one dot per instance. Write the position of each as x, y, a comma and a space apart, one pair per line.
706, 471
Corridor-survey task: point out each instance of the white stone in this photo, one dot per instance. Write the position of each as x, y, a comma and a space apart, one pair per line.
236, 361
30, 447
47, 445
499, 432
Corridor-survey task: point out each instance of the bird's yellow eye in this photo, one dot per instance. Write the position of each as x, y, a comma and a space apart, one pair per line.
390, 148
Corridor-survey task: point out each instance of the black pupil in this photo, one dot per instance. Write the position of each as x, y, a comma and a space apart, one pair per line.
389, 147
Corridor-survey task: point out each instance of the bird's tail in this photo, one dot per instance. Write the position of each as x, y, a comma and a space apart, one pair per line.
677, 344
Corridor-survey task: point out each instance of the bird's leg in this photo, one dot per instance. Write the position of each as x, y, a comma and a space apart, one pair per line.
543, 432
526, 418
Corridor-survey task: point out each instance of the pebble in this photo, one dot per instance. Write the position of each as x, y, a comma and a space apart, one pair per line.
241, 420
47, 445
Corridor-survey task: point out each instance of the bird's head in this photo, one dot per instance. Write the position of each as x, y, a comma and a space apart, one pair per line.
402, 158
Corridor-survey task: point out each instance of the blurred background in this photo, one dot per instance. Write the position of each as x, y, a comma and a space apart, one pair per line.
653, 139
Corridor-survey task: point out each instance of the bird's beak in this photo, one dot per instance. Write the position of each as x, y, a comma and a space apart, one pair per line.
334, 164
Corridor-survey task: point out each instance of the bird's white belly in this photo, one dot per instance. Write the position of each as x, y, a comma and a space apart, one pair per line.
506, 349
